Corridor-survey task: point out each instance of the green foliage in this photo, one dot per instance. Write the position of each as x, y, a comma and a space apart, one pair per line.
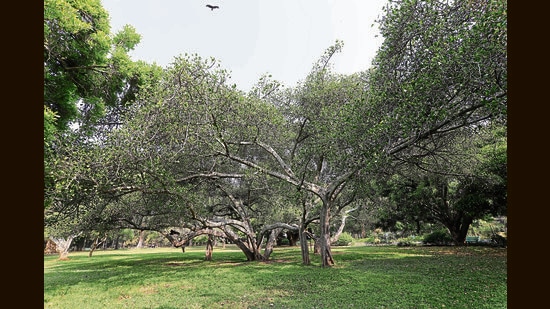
87, 70
440, 238
187, 147
489, 228
367, 277
408, 241
76, 43
345, 239
442, 65
200, 240
283, 242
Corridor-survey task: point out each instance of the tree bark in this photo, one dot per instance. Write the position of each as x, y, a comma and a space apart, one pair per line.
141, 236
336, 235
271, 242
458, 227
96, 244
209, 248
62, 245
304, 246
51, 247
324, 240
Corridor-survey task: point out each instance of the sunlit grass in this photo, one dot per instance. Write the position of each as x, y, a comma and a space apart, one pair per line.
364, 277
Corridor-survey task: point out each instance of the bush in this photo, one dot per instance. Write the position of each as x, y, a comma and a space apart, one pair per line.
405, 243
345, 239
283, 242
440, 237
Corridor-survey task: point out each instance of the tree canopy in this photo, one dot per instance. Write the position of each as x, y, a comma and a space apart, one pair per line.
192, 151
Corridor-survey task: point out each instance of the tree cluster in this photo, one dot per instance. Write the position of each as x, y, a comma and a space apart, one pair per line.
423, 130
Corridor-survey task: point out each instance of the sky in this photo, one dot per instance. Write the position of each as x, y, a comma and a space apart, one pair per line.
253, 37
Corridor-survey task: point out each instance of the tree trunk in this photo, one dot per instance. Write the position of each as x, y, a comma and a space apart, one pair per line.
96, 244
324, 239
141, 236
458, 227
304, 245
271, 242
62, 245
336, 235
317, 246
209, 248
250, 253
292, 237
51, 248
247, 245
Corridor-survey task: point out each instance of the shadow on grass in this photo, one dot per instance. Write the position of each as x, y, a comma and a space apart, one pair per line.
379, 277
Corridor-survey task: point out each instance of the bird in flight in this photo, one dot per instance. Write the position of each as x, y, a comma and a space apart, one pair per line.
212, 7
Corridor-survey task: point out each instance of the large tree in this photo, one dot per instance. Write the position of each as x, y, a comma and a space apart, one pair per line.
328, 136
463, 182
443, 65
87, 69
89, 79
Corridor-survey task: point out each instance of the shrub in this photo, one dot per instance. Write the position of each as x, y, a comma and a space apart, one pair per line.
345, 239
404, 243
440, 237
283, 242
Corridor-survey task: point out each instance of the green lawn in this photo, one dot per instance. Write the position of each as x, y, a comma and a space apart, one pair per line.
364, 277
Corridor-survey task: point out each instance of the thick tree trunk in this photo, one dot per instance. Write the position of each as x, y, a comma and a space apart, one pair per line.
62, 245
324, 239
292, 237
249, 251
209, 248
96, 244
247, 245
141, 236
458, 227
50, 248
271, 242
304, 245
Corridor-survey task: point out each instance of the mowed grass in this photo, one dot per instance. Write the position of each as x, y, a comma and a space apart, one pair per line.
364, 277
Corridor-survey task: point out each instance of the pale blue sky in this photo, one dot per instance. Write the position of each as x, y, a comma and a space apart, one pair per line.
249, 38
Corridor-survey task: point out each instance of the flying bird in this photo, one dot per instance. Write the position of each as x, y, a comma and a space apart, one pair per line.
212, 7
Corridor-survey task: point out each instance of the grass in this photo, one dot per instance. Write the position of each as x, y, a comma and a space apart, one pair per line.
364, 277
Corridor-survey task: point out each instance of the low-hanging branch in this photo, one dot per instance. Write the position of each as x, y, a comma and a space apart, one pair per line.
211, 175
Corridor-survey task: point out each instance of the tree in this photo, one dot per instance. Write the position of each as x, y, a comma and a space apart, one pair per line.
88, 78
442, 66
469, 183
326, 138
441, 69
84, 64
159, 178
